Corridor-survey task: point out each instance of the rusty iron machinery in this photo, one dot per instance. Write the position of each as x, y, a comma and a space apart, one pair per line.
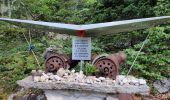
108, 64
55, 61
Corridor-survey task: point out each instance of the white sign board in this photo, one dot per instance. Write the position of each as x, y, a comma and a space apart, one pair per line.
81, 48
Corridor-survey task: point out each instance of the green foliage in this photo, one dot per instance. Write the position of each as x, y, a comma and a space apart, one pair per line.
62, 46
89, 69
155, 55
16, 61
96, 46
162, 7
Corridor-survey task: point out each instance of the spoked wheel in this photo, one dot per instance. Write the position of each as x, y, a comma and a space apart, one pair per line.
54, 63
106, 67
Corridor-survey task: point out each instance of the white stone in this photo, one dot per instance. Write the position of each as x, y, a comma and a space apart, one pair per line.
121, 83
127, 83
109, 82
73, 71
130, 78
142, 82
78, 78
37, 78
135, 81
71, 79
102, 78
47, 80
68, 72
50, 81
76, 74
107, 78
83, 81
65, 77
43, 79
136, 84
45, 75
65, 74
51, 77
114, 81
40, 71
49, 74
97, 80
119, 78
125, 80
90, 80
61, 72
57, 78
91, 77
33, 71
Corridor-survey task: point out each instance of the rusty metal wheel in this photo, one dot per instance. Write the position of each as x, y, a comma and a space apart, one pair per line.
107, 68
108, 64
53, 63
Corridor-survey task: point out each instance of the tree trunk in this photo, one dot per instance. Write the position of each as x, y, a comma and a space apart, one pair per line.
9, 8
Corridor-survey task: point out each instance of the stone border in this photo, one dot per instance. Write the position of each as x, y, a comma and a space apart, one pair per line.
102, 88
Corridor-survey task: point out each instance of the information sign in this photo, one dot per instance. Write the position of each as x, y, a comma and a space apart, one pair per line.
81, 48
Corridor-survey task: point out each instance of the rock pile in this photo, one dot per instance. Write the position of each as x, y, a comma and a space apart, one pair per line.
72, 76
129, 80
